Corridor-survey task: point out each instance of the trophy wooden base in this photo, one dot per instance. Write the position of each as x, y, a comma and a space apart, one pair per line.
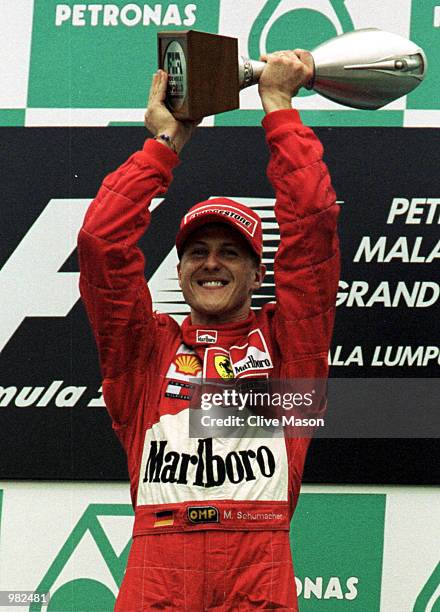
203, 73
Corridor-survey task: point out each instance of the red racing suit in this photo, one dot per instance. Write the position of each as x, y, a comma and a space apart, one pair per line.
239, 558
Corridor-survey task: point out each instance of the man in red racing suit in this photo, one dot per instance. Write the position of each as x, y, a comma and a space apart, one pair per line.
212, 516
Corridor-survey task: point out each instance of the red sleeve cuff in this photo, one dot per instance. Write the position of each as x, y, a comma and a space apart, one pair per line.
280, 118
160, 156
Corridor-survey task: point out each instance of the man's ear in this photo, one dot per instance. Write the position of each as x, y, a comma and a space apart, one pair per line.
179, 275
260, 272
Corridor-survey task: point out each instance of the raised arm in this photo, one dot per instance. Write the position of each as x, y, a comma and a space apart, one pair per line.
112, 281
306, 265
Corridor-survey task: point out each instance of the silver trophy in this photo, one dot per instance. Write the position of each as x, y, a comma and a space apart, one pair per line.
364, 69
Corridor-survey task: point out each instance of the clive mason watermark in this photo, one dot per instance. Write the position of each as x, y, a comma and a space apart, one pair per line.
257, 408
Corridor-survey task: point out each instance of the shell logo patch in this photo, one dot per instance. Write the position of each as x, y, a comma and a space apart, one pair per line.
223, 366
187, 364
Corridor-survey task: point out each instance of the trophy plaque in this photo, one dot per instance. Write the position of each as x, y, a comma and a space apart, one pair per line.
203, 73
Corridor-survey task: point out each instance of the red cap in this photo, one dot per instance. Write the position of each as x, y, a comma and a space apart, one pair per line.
222, 210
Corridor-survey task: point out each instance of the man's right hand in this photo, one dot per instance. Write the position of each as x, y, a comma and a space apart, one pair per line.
284, 74
159, 120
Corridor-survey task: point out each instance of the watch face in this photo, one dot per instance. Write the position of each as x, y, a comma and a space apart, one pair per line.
175, 65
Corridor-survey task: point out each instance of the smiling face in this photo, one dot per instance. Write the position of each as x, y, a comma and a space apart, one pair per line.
218, 274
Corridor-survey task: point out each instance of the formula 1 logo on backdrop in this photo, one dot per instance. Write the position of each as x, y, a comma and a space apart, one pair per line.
30, 283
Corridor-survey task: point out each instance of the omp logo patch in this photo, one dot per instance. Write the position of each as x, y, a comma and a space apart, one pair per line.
203, 514
206, 336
